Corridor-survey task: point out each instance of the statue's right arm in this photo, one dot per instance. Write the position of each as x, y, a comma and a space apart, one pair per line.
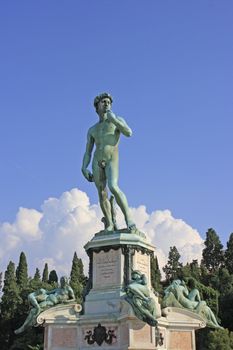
32, 300
144, 279
87, 157
197, 297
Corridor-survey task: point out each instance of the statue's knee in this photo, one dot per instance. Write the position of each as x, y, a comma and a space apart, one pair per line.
102, 195
114, 189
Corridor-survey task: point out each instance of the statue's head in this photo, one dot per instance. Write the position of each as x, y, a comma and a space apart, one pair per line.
101, 97
63, 281
177, 282
136, 274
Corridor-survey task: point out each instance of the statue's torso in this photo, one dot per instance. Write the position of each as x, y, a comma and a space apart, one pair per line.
106, 137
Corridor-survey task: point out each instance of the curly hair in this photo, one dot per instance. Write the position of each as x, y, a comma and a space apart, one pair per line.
100, 97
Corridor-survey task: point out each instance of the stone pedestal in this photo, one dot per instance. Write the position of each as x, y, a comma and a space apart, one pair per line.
112, 258
177, 327
108, 321
60, 327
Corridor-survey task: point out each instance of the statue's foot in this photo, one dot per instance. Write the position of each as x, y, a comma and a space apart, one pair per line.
109, 228
131, 226
19, 330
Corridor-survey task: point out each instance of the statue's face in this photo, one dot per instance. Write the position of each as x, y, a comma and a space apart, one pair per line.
104, 105
63, 282
135, 276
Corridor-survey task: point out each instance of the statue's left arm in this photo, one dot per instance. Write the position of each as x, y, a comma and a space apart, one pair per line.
71, 294
197, 296
120, 123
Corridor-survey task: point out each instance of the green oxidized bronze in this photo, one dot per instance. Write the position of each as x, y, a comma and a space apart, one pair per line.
178, 295
43, 299
139, 296
105, 136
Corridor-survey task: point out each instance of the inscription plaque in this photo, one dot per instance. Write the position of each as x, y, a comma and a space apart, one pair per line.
106, 268
142, 263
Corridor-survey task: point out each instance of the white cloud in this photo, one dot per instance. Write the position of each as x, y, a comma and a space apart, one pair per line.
65, 224
166, 231
25, 225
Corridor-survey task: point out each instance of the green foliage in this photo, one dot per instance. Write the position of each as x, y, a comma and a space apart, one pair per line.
22, 271
77, 278
229, 254
185, 272
155, 275
191, 270
212, 255
53, 279
220, 339
205, 275
226, 310
35, 282
45, 275
0, 281
173, 267
9, 306
210, 296
37, 275
11, 297
195, 270
33, 336
222, 280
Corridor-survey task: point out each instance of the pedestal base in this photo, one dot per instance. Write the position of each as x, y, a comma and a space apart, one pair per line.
118, 331
108, 321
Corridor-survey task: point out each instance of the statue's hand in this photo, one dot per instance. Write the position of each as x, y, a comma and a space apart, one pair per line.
88, 175
110, 115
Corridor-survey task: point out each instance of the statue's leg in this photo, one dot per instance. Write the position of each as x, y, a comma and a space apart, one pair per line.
28, 322
112, 177
100, 182
213, 318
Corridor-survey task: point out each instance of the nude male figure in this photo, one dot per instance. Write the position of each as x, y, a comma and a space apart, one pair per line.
42, 299
105, 135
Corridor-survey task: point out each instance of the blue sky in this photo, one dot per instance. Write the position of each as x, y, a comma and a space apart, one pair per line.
169, 67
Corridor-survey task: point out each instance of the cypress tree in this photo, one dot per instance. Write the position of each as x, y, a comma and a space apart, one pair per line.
82, 277
155, 274
212, 255
173, 267
0, 281
45, 275
35, 282
23, 284
77, 277
9, 306
53, 279
229, 254
10, 298
22, 271
37, 275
